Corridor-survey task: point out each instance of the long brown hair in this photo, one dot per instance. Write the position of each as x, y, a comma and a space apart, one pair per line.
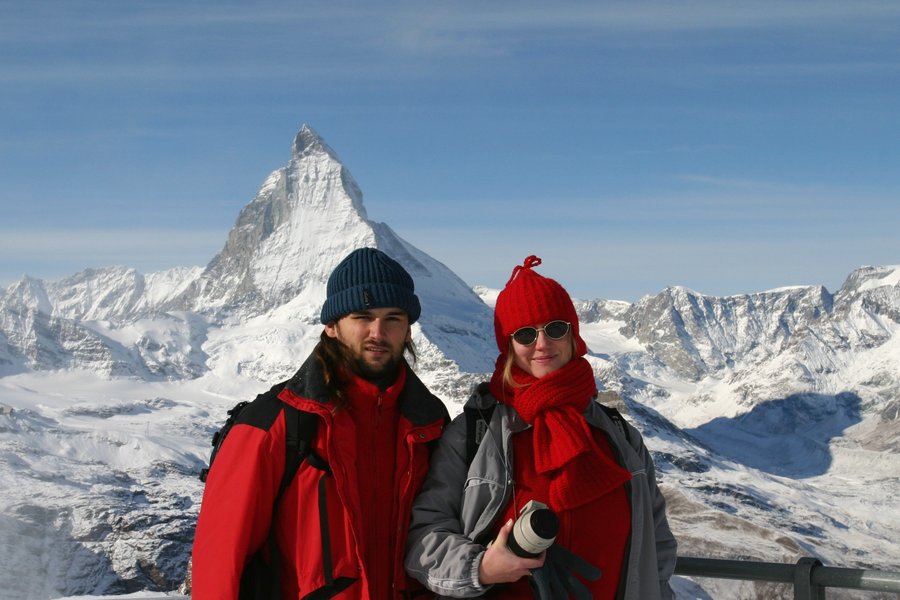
336, 362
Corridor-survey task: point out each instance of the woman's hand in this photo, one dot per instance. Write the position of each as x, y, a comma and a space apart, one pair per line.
500, 565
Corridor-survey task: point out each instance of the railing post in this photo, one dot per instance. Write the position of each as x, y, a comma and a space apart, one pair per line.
804, 588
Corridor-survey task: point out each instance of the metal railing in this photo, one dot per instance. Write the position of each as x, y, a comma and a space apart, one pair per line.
809, 576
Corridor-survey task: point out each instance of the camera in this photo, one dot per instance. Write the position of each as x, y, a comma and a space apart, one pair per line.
534, 530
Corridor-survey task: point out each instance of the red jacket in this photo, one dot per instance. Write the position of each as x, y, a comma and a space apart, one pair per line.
235, 515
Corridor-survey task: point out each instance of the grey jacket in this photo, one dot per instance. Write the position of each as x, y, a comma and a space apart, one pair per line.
458, 504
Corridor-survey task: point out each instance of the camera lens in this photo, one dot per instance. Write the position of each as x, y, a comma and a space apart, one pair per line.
544, 523
534, 531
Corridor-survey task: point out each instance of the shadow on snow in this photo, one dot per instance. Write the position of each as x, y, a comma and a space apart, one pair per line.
788, 437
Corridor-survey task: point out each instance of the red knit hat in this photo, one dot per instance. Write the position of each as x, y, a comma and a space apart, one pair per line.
531, 299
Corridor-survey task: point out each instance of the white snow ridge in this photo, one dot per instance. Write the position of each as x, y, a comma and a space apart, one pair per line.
773, 417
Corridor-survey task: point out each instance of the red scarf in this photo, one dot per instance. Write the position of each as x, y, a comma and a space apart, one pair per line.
564, 448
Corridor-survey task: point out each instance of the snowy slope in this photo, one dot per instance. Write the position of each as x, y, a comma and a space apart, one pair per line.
773, 416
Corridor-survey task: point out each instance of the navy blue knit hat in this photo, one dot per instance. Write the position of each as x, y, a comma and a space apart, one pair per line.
369, 278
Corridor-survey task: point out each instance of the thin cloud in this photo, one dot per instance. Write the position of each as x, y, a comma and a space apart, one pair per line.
645, 16
188, 43
58, 252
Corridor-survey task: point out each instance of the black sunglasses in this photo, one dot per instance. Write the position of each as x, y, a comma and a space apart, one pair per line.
555, 330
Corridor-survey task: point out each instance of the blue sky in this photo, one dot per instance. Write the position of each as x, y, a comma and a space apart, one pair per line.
727, 147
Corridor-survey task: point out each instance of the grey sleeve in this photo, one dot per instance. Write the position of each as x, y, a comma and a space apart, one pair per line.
438, 554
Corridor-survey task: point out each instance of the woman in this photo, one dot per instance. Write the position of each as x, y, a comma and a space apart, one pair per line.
546, 439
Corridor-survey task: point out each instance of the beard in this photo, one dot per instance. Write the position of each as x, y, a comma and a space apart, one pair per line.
371, 371
383, 373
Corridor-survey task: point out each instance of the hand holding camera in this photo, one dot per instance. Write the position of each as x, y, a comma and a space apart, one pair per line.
518, 551
534, 532
519, 546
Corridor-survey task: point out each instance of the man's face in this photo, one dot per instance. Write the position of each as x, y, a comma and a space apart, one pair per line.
375, 338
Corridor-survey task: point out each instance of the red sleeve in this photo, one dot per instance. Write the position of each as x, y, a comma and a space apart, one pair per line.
236, 510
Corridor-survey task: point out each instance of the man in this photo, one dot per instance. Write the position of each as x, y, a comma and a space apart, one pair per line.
340, 526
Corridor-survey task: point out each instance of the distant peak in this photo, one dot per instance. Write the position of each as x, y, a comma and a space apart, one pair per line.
681, 291
309, 142
870, 278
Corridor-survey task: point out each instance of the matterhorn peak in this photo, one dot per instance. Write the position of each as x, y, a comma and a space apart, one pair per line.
309, 142
304, 218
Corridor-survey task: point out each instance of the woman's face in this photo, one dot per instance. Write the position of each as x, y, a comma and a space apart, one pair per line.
545, 355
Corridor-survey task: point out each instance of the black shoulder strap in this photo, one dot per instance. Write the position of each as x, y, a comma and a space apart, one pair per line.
618, 419
300, 429
477, 421
219, 436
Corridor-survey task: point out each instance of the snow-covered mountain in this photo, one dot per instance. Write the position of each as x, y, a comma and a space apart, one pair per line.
773, 416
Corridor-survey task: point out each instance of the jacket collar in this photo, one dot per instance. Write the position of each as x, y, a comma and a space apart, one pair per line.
416, 402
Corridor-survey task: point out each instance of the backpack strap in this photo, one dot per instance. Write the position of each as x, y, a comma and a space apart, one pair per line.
477, 422
219, 436
300, 431
260, 578
300, 428
617, 418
